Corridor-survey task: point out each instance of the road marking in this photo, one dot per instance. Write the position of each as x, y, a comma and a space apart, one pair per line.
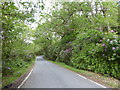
91, 81
25, 79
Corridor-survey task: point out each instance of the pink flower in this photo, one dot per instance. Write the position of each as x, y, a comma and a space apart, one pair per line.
113, 48
112, 31
100, 40
111, 41
103, 44
108, 39
96, 43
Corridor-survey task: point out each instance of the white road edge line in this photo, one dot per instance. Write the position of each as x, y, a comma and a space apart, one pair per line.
91, 81
25, 78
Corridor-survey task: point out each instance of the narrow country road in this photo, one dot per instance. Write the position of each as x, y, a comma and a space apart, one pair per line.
48, 75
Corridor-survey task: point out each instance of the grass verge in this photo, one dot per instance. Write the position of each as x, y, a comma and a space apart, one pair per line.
104, 80
19, 71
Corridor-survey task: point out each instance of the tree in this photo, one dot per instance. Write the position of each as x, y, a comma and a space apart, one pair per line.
15, 33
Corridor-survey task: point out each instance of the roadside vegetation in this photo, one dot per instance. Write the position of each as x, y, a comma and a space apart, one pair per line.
109, 82
8, 80
83, 35
17, 49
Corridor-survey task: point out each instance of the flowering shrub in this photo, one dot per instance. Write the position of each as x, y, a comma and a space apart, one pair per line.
91, 50
97, 51
109, 46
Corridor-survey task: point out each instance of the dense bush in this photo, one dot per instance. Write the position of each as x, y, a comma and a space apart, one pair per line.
9, 67
99, 54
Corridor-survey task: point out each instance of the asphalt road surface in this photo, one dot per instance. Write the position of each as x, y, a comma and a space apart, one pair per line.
48, 75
